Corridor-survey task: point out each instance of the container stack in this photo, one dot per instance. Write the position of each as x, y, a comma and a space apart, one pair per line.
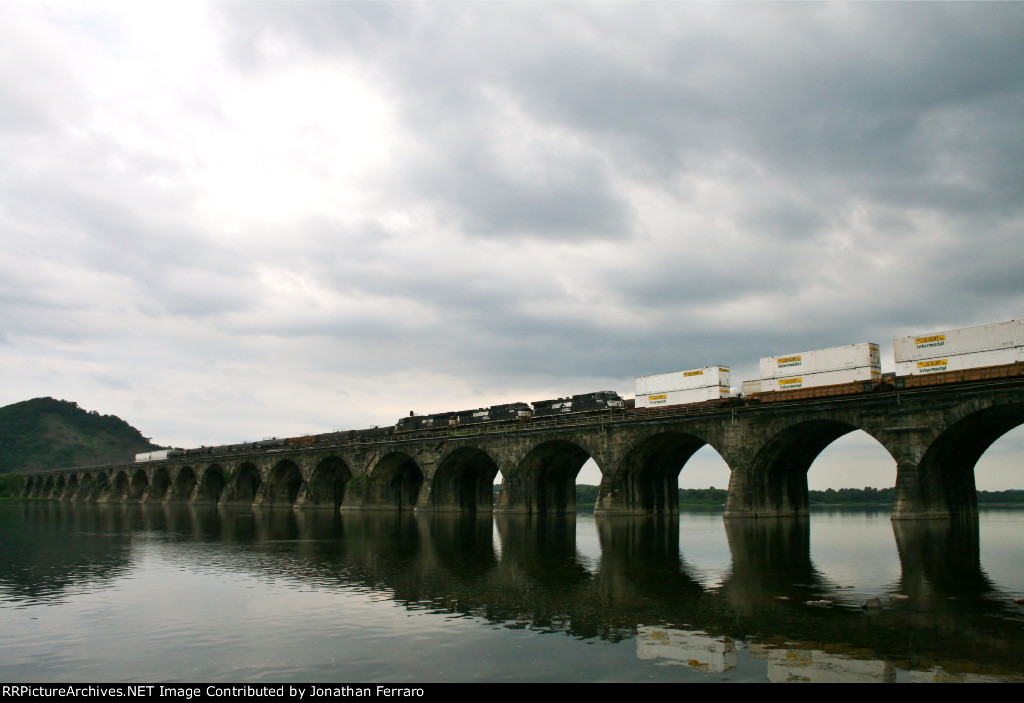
955, 350
823, 367
680, 387
751, 387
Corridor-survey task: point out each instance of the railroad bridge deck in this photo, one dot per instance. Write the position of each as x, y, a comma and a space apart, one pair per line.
934, 434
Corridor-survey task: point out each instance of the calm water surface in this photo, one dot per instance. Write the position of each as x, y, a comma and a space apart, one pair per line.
148, 593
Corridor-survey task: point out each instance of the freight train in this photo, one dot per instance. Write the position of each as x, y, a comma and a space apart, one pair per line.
952, 356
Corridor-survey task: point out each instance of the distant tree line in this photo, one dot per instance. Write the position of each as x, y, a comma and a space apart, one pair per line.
587, 495
12, 484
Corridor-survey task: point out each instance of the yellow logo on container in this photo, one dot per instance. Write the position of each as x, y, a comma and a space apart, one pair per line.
789, 359
693, 373
930, 340
790, 381
657, 397
928, 364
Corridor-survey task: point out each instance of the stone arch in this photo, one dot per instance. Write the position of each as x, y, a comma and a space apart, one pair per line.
184, 485
464, 481
100, 486
328, 483
59, 485
119, 489
775, 483
211, 486
71, 487
160, 485
647, 480
943, 484
244, 487
544, 481
395, 483
139, 485
283, 485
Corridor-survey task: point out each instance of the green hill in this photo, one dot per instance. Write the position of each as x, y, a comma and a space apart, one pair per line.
44, 433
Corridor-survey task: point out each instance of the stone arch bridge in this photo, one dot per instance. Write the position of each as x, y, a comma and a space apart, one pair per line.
934, 434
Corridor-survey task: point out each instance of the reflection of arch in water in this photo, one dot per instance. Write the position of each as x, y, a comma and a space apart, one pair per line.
462, 543
464, 481
394, 483
545, 480
940, 559
542, 546
771, 559
640, 558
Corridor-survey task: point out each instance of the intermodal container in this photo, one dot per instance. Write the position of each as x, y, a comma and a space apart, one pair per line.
853, 356
158, 455
967, 340
750, 387
706, 377
691, 395
825, 378
960, 362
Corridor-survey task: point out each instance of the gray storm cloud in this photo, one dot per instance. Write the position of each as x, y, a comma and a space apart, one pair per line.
217, 214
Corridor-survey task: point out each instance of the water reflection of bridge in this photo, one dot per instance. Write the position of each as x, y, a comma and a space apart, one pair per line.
935, 435
534, 576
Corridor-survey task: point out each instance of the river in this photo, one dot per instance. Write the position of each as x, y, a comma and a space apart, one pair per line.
132, 593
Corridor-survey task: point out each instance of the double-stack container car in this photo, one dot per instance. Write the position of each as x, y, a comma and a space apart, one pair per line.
822, 367
682, 387
956, 350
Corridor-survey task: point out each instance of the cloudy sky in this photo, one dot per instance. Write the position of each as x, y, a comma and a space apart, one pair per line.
228, 221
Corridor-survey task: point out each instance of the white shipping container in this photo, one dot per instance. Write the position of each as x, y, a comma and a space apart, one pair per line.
683, 380
692, 395
822, 360
749, 387
826, 378
967, 340
959, 362
152, 456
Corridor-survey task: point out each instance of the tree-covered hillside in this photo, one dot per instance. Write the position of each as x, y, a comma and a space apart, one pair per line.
44, 433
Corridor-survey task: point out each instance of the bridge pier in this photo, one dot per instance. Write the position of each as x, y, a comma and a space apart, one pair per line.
924, 495
633, 493
754, 494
